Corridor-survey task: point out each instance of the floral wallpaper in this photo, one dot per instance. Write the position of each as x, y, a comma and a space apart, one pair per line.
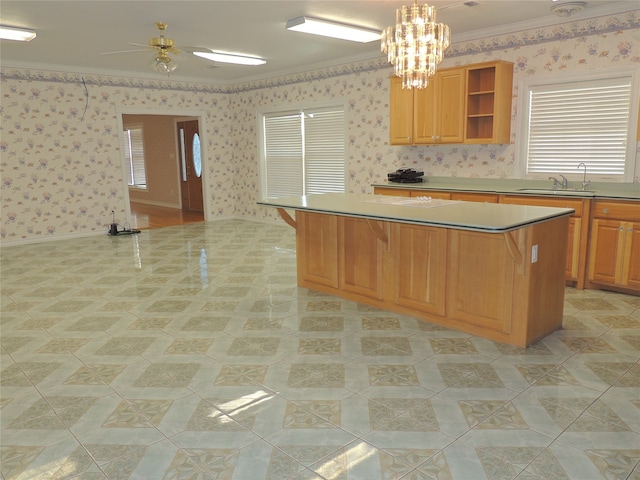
61, 172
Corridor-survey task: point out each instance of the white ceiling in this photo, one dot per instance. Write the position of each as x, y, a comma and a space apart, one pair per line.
73, 34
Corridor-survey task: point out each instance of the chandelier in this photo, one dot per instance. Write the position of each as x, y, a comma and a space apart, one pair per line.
415, 44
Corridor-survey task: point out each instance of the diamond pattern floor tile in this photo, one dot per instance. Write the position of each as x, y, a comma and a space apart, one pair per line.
169, 364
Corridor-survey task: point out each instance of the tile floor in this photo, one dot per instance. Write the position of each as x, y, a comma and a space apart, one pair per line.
189, 352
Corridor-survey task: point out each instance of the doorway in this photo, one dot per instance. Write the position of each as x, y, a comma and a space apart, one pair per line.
190, 166
169, 197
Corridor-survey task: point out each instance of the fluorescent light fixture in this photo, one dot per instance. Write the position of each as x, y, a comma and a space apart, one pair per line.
332, 29
230, 58
19, 34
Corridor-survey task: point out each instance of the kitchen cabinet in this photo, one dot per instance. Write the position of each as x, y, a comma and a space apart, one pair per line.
470, 104
488, 102
400, 113
578, 230
474, 275
614, 255
431, 115
443, 195
437, 109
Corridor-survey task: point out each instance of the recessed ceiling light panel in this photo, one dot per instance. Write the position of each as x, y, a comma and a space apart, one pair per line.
326, 28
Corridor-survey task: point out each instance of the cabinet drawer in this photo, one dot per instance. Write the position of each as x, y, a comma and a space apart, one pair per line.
629, 211
475, 197
575, 203
394, 192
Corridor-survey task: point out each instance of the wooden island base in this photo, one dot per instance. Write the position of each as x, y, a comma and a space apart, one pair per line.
481, 283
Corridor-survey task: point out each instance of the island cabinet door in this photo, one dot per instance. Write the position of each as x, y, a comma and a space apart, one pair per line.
360, 256
419, 279
480, 280
317, 248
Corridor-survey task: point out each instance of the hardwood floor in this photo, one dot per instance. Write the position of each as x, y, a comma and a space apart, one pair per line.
145, 216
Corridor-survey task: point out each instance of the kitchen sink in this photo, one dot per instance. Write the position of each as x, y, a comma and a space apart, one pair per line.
553, 191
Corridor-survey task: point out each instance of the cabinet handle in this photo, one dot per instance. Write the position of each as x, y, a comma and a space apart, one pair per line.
630, 230
621, 229
606, 210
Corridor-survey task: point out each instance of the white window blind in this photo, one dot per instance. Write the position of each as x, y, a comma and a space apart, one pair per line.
134, 151
283, 155
584, 121
304, 152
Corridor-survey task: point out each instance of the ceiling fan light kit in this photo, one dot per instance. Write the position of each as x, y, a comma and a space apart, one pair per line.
162, 63
326, 28
15, 33
566, 9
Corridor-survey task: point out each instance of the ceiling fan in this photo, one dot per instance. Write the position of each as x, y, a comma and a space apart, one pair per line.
161, 46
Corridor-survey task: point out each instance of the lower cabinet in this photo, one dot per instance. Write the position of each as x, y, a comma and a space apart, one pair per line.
614, 256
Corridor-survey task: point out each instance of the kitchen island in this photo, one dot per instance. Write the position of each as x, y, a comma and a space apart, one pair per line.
492, 270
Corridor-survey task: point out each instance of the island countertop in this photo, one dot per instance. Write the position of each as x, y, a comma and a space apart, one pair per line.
474, 216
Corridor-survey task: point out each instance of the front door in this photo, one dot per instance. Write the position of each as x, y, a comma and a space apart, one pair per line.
190, 166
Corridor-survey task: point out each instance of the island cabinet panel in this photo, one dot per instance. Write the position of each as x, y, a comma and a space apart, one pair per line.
480, 280
360, 256
419, 267
318, 233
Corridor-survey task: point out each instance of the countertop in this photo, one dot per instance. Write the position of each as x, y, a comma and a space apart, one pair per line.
475, 216
613, 191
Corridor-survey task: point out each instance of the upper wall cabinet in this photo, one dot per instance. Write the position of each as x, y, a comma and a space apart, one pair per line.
469, 104
488, 103
424, 116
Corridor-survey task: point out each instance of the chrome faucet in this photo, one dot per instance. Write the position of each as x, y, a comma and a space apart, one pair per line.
564, 184
585, 182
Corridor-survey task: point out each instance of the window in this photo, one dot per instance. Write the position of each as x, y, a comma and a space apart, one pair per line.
571, 120
134, 151
303, 152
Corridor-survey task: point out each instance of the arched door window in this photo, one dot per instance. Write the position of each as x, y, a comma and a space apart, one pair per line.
197, 161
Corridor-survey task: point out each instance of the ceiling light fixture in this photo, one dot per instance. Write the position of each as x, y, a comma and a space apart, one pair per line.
566, 9
162, 63
415, 45
230, 58
14, 33
326, 28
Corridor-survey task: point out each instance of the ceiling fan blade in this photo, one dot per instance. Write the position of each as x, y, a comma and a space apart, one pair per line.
125, 51
139, 45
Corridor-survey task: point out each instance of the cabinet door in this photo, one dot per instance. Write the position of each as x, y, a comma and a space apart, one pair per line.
573, 249
425, 104
480, 280
400, 113
317, 248
419, 267
631, 267
438, 110
450, 111
606, 253
360, 257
